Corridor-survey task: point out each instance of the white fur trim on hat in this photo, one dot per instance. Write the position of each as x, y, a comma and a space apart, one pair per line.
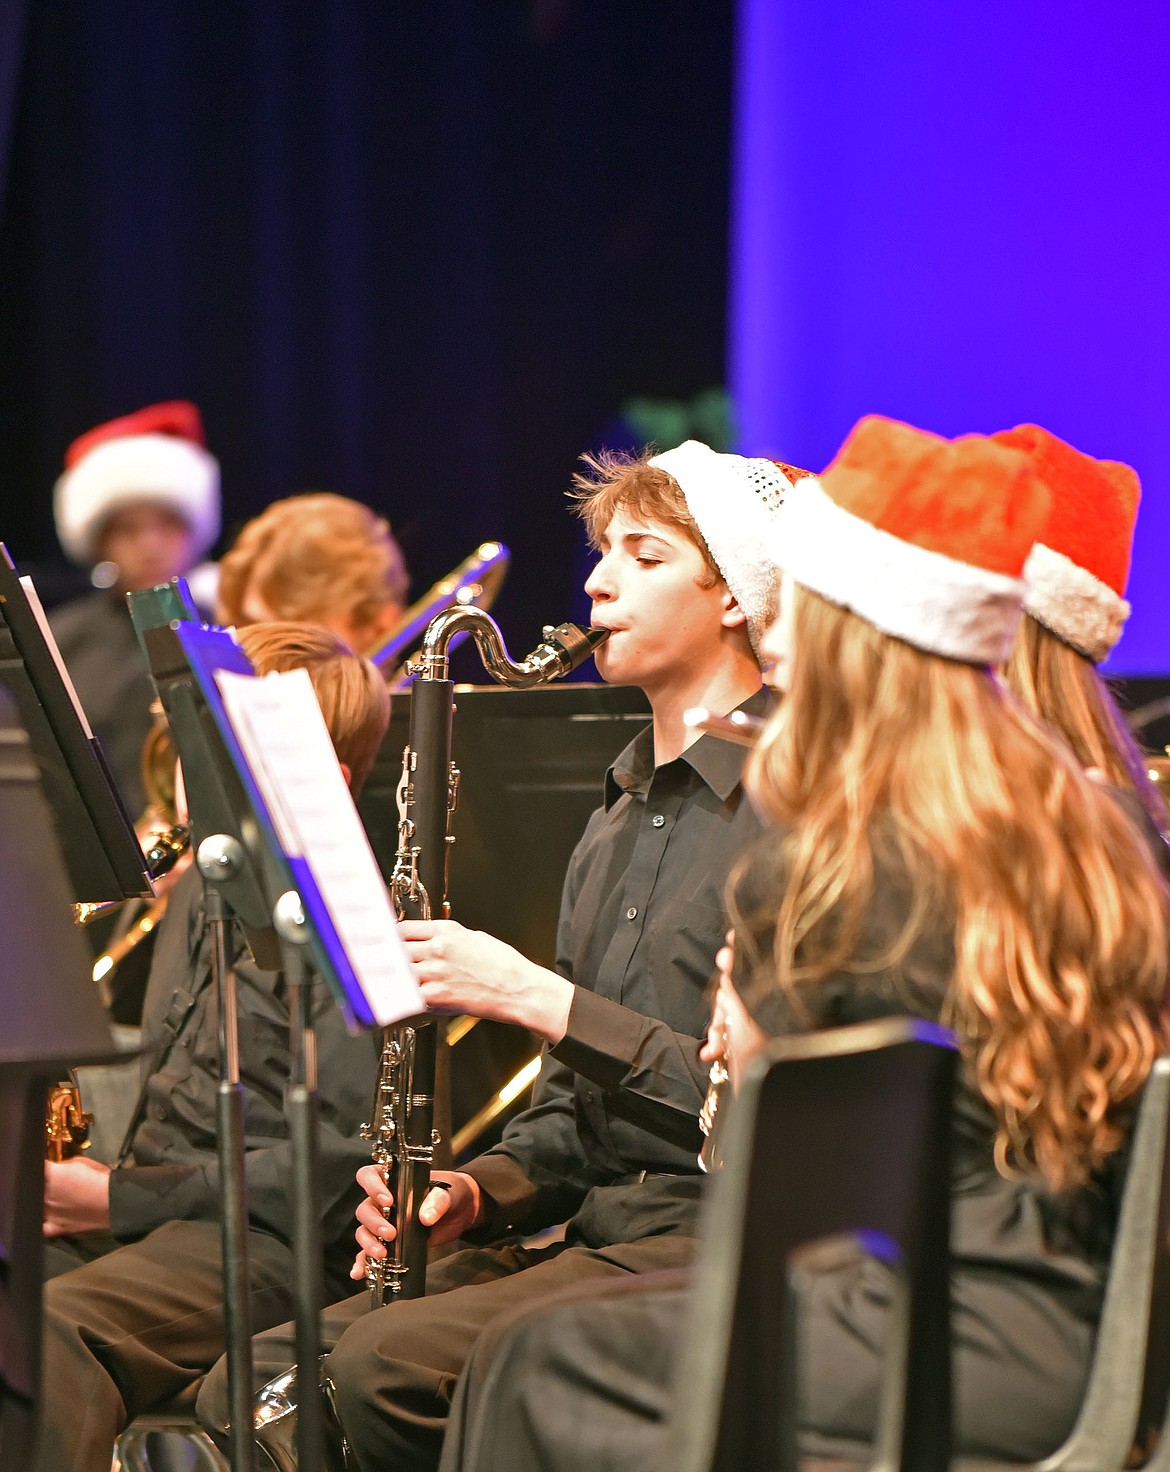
1076, 606
734, 501
932, 601
162, 468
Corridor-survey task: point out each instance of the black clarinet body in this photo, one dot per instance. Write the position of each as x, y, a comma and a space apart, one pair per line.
403, 1126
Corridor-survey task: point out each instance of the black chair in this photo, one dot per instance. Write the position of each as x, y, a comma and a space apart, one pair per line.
1126, 1395
875, 1098
783, 1187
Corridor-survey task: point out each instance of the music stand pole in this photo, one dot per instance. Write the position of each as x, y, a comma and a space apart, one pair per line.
303, 1105
220, 859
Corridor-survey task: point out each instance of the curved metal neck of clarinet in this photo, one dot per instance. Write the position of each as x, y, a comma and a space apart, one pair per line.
561, 649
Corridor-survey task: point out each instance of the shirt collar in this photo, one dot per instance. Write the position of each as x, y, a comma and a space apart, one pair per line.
717, 762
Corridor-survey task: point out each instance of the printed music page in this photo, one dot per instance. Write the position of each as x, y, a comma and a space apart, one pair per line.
280, 727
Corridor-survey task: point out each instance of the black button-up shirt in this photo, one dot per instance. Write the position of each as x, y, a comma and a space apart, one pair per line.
641, 920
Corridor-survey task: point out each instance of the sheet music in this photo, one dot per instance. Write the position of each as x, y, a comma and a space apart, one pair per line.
284, 736
34, 603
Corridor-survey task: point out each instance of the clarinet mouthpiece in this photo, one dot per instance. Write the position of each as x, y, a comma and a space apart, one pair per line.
565, 647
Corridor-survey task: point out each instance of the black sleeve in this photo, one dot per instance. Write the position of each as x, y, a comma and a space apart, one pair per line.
142, 1197
538, 1174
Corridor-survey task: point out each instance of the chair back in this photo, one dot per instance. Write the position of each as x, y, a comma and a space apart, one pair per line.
839, 1133
1126, 1395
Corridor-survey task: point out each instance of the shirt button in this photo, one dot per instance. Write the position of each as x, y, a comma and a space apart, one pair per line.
632, 913
160, 1111
657, 820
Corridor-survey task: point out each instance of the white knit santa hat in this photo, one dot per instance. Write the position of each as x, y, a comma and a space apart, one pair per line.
925, 538
734, 501
158, 455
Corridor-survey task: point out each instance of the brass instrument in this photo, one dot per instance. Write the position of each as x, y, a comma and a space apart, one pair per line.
165, 851
66, 1122
473, 584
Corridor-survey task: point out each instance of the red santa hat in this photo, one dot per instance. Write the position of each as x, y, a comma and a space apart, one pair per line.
734, 501
1078, 570
157, 454
926, 538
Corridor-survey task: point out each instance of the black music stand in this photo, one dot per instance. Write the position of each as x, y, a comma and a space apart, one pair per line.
97, 838
247, 869
234, 885
53, 1019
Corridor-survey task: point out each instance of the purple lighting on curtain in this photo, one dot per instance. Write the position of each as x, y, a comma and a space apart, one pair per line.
959, 216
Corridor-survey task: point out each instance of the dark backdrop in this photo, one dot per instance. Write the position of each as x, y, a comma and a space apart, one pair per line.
417, 254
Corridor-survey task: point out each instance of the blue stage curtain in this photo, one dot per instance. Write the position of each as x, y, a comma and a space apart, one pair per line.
417, 254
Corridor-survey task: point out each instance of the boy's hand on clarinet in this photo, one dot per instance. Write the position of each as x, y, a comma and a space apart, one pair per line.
465, 970
451, 1207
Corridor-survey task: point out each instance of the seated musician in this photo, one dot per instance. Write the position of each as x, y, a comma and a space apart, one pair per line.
610, 1140
317, 558
138, 501
1075, 610
134, 1310
935, 852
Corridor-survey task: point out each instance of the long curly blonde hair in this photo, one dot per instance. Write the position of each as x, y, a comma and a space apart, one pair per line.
1059, 912
1062, 687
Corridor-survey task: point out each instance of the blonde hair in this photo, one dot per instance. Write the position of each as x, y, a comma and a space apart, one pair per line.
1058, 911
313, 557
616, 481
1062, 687
350, 691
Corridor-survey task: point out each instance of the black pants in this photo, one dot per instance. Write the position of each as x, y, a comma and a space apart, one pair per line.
565, 1380
395, 1369
133, 1326
588, 1383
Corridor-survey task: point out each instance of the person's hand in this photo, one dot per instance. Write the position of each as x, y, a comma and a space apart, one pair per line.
467, 971
451, 1207
77, 1196
731, 1033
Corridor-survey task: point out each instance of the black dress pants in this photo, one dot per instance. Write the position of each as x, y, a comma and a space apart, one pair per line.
395, 1369
135, 1326
589, 1383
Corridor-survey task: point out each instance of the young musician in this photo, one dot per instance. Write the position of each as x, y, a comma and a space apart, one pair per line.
1075, 609
317, 558
139, 496
609, 1143
134, 1311
935, 853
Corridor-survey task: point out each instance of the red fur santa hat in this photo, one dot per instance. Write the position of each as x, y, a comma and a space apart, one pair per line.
157, 454
734, 501
926, 538
1078, 570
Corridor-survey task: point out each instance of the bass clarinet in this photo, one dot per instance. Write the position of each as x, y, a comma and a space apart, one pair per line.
401, 1127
